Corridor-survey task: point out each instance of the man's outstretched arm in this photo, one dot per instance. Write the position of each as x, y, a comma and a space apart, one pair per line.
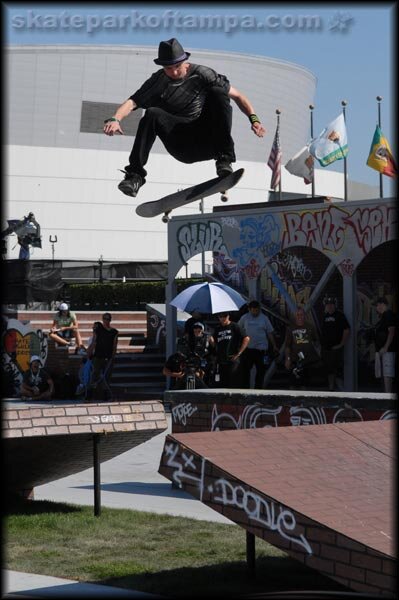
113, 124
246, 107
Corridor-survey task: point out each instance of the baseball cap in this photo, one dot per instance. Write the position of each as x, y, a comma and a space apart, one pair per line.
63, 306
198, 325
35, 357
381, 300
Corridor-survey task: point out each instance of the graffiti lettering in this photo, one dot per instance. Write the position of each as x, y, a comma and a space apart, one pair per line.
323, 230
195, 238
347, 267
248, 418
373, 226
260, 510
182, 411
294, 265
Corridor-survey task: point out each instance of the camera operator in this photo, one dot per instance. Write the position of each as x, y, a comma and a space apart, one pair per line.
200, 343
301, 355
186, 370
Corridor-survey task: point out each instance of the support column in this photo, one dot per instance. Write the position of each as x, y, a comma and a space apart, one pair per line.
251, 552
97, 476
171, 318
350, 352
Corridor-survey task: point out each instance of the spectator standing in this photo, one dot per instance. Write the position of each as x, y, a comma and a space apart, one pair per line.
386, 341
102, 351
37, 384
230, 344
301, 355
257, 326
196, 317
335, 331
65, 326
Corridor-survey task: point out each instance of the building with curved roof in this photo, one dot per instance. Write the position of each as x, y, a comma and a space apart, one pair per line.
61, 166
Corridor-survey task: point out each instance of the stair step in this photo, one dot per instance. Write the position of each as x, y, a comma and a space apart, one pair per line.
130, 385
156, 374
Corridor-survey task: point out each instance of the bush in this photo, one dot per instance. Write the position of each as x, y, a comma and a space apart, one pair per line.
120, 296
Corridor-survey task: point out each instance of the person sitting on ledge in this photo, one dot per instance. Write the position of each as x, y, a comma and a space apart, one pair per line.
36, 382
65, 326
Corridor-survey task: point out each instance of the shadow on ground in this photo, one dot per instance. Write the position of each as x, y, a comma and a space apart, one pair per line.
16, 505
228, 580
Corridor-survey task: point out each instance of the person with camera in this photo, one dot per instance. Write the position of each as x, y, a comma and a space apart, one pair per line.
301, 355
186, 370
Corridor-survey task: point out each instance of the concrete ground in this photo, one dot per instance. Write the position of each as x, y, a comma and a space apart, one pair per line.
131, 480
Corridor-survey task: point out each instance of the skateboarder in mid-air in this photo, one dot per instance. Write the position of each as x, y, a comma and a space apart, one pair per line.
188, 108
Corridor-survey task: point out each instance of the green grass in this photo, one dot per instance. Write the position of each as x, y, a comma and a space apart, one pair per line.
171, 556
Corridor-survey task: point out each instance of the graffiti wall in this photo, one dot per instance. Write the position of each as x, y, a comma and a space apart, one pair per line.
294, 255
18, 343
201, 416
345, 233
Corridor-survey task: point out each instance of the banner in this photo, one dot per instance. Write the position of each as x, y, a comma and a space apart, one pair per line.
331, 144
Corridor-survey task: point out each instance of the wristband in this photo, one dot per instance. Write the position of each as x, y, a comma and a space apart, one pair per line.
111, 119
253, 119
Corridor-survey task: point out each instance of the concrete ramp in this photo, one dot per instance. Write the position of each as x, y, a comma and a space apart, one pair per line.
322, 493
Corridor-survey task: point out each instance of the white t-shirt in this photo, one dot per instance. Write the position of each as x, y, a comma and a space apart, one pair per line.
257, 328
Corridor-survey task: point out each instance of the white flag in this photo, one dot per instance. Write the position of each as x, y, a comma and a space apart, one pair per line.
302, 164
332, 143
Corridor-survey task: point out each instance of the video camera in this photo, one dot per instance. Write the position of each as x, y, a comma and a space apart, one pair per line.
193, 362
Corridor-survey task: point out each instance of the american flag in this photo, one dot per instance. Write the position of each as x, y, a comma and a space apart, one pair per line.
274, 161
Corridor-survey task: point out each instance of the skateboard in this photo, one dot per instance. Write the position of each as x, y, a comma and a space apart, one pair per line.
196, 192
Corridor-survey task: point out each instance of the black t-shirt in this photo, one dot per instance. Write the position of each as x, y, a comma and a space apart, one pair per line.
228, 340
104, 341
302, 339
332, 329
183, 97
388, 319
39, 380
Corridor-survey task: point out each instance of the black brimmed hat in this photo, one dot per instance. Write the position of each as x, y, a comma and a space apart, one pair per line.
170, 53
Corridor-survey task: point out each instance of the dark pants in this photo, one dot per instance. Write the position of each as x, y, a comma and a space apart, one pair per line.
252, 357
230, 374
187, 140
333, 360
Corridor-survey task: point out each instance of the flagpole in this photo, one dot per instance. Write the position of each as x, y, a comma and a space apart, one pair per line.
278, 113
311, 107
344, 103
379, 98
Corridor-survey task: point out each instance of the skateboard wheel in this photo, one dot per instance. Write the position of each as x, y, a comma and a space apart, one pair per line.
224, 197
165, 219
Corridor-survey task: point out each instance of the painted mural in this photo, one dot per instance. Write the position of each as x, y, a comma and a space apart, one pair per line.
285, 257
345, 233
18, 343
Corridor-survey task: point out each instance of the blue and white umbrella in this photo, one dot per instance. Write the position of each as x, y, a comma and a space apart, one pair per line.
208, 298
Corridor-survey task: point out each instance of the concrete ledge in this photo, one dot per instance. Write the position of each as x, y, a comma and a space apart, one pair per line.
223, 409
323, 494
47, 441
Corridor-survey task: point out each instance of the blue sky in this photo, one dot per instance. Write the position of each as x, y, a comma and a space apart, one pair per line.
350, 49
